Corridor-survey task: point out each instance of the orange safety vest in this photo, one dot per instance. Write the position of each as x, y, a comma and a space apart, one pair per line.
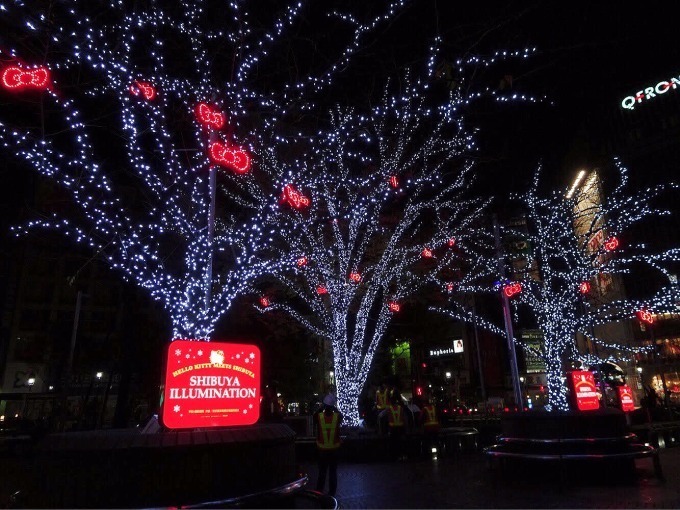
328, 437
381, 399
430, 415
395, 417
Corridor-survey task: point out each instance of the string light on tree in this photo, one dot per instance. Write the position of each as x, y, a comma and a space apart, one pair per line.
120, 55
563, 238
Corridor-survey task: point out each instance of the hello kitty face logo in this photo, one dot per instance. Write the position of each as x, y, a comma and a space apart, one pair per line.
217, 357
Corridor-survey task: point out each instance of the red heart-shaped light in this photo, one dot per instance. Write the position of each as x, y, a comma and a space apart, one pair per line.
209, 116
235, 158
15, 78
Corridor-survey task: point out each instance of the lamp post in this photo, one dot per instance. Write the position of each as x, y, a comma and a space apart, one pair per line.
30, 382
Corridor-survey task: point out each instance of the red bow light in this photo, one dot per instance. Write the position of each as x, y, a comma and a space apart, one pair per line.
355, 277
646, 316
394, 181
264, 301
512, 289
449, 287
394, 306
584, 287
293, 197
231, 157
426, 253
146, 90
451, 241
302, 261
611, 244
16, 78
209, 116
321, 290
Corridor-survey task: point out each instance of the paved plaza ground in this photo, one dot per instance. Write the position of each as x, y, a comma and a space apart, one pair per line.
466, 480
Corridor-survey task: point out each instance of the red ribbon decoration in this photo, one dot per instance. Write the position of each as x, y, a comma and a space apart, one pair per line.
426, 253
355, 277
146, 90
321, 290
394, 181
235, 158
264, 302
209, 116
584, 287
611, 244
394, 306
16, 78
293, 197
302, 261
645, 316
451, 242
512, 289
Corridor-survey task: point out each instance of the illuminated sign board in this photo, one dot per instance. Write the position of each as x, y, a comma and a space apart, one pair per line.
456, 348
626, 398
584, 390
629, 102
211, 384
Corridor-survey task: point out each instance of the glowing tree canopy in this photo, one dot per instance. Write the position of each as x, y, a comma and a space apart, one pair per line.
185, 83
378, 208
574, 270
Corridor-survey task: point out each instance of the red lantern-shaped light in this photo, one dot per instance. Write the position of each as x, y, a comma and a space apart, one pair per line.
394, 181
143, 89
321, 290
645, 316
264, 301
16, 78
355, 277
426, 253
512, 289
302, 261
394, 306
611, 244
209, 116
584, 287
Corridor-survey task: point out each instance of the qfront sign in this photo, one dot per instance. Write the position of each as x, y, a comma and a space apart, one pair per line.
630, 102
584, 390
211, 384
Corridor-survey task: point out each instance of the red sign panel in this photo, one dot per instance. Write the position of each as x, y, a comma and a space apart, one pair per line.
585, 392
211, 384
626, 398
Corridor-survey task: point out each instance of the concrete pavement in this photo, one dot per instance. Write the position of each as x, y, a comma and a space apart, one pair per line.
466, 480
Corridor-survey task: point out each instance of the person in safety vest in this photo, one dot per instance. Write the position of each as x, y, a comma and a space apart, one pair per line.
381, 400
430, 423
328, 422
396, 426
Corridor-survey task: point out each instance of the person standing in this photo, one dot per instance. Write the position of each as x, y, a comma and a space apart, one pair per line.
396, 427
328, 422
431, 425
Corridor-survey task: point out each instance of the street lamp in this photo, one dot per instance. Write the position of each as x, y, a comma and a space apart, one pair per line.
30, 382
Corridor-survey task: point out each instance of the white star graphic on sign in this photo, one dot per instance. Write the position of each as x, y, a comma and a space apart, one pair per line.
178, 352
176, 409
